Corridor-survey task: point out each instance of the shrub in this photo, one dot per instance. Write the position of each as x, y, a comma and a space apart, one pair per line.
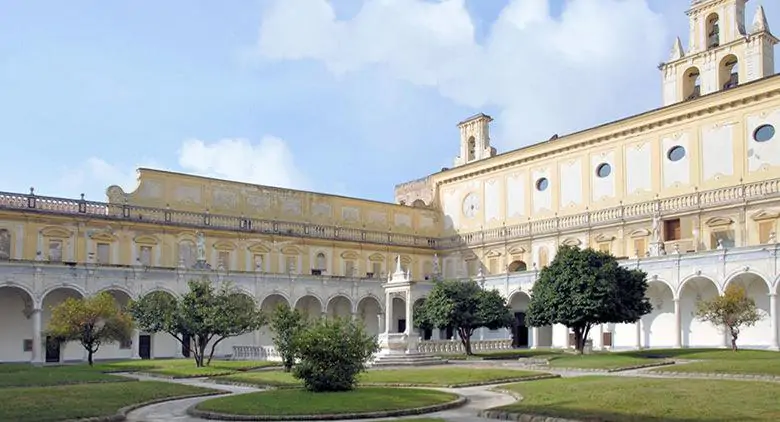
331, 353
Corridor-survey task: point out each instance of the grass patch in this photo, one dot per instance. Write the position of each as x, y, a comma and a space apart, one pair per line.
431, 377
648, 400
56, 403
301, 402
183, 368
706, 354
513, 354
37, 376
604, 361
719, 361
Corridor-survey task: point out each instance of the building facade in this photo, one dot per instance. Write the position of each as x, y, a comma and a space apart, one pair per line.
689, 192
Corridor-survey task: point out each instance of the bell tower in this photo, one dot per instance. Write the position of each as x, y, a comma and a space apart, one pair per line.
722, 52
475, 139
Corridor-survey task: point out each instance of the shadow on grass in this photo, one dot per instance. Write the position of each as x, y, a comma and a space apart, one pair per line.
608, 416
703, 353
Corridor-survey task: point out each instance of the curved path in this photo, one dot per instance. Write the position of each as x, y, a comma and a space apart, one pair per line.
176, 410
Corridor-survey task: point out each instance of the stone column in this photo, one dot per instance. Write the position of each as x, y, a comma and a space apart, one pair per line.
380, 323
677, 324
773, 320
534, 337
134, 354
639, 334
37, 346
409, 314
388, 313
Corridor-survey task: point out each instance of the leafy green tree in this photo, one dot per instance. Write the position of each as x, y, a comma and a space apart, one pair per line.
582, 288
731, 312
331, 354
287, 324
204, 314
465, 307
91, 321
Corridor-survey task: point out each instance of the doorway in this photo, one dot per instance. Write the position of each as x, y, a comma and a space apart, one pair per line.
145, 346
52, 350
401, 325
520, 335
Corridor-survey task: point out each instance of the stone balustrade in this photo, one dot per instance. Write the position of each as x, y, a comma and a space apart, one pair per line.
456, 346
262, 353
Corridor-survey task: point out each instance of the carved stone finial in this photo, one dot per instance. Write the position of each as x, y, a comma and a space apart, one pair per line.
32, 190
677, 52
760, 23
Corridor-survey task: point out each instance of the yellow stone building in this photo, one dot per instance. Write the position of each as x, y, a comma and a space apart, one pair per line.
689, 192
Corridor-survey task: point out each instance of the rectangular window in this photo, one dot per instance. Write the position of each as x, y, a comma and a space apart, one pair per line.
376, 268
103, 253
349, 268
473, 267
126, 344
672, 229
259, 261
605, 247
606, 339
223, 259
722, 238
765, 229
639, 247
55, 250
494, 266
27, 345
146, 256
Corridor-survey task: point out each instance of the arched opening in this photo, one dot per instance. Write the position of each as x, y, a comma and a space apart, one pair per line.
713, 31
370, 313
160, 345
472, 146
517, 266
16, 330
756, 288
339, 307
728, 72
419, 203
521, 333
697, 333
225, 347
53, 350
268, 306
122, 350
310, 306
692, 84
658, 325
426, 333
398, 322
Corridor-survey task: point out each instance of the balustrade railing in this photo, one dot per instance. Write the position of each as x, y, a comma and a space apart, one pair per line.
263, 353
456, 346
762, 190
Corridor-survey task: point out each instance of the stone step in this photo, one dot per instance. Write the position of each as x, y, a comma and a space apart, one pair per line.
408, 360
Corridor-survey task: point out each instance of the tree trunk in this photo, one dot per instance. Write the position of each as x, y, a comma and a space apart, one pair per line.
213, 347
202, 343
734, 336
465, 338
89, 356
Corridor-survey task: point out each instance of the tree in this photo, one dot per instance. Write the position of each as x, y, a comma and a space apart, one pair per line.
91, 321
204, 314
331, 353
582, 288
465, 307
731, 311
287, 324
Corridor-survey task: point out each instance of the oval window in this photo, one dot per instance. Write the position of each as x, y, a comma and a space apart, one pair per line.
676, 153
764, 133
542, 184
603, 170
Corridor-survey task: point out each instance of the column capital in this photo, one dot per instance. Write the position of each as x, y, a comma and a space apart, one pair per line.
772, 294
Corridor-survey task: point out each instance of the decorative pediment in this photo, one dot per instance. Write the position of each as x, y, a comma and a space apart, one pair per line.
290, 250
572, 241
469, 256
377, 257
224, 245
605, 237
349, 255
516, 250
56, 231
639, 233
258, 247
406, 259
765, 215
103, 237
493, 254
146, 239
719, 221
188, 235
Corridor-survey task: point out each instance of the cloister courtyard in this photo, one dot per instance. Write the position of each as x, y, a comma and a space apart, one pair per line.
648, 386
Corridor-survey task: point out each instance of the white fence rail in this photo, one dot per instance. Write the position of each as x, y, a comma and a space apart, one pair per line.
256, 353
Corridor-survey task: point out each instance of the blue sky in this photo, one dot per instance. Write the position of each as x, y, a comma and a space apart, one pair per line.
348, 100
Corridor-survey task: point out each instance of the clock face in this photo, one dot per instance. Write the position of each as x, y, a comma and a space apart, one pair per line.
471, 205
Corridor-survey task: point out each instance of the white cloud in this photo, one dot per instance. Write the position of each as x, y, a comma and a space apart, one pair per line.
94, 176
268, 162
546, 75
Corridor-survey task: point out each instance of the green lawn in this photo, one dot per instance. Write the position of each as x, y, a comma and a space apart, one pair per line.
432, 377
301, 402
649, 400
57, 403
36, 376
721, 361
599, 361
183, 368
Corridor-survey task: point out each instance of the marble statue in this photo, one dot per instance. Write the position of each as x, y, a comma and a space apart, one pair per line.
201, 245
